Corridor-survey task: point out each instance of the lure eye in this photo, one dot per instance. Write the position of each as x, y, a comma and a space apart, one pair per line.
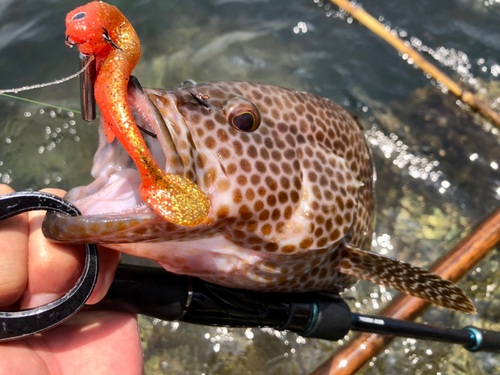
79, 16
242, 115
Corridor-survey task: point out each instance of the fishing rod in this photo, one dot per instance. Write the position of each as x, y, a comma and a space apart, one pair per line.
155, 292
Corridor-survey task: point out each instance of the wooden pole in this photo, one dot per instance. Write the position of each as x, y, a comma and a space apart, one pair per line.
451, 266
465, 96
456, 262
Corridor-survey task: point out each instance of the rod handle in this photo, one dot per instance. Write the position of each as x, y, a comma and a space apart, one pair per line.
150, 291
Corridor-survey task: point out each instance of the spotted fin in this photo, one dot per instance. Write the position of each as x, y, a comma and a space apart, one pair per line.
406, 278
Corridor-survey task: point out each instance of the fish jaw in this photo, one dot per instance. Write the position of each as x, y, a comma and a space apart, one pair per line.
113, 201
220, 261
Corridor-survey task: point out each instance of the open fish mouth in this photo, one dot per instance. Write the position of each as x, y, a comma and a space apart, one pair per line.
112, 202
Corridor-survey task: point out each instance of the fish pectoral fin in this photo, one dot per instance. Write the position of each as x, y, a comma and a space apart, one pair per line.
176, 199
405, 278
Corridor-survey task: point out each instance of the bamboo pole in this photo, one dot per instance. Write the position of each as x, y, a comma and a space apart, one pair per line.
451, 266
465, 96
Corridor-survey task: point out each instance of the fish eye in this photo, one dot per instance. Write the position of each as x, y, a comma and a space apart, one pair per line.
79, 16
244, 121
242, 115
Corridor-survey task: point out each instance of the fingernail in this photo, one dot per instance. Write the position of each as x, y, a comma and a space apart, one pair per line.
103, 283
39, 299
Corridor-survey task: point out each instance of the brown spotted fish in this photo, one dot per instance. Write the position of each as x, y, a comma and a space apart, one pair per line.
289, 177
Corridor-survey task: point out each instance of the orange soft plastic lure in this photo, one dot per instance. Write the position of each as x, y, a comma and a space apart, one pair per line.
101, 30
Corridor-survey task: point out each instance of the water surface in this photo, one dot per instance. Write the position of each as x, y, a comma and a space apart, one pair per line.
437, 166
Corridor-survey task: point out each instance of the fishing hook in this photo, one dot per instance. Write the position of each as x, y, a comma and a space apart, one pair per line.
151, 134
108, 39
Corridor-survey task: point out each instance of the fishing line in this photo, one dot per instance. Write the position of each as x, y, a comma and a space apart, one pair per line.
42, 103
40, 85
56, 82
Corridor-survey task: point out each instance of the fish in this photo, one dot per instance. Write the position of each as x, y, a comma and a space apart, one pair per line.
261, 187
290, 180
102, 31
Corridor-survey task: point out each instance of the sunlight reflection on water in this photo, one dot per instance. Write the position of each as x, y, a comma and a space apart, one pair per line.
426, 199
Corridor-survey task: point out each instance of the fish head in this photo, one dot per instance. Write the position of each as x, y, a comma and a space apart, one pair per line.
254, 150
288, 176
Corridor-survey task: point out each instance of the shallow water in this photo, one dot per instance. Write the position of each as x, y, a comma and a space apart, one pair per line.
437, 166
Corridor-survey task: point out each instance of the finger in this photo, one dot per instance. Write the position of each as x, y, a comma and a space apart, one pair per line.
108, 261
13, 255
55, 268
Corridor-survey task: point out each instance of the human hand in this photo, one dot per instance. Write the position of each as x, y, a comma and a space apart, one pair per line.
35, 271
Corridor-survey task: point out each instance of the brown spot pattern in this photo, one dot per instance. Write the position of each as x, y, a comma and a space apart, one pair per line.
293, 190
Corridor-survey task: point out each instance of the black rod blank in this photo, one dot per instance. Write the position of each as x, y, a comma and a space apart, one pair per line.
161, 294
383, 325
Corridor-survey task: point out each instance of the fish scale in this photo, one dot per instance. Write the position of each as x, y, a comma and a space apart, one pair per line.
272, 183
291, 202
281, 190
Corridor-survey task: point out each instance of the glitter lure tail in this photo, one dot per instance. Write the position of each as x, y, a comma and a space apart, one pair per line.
102, 30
